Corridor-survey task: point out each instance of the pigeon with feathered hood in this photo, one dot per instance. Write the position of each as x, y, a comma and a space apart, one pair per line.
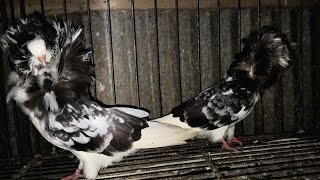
50, 82
214, 112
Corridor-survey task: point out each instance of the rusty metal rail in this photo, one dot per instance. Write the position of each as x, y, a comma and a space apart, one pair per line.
263, 157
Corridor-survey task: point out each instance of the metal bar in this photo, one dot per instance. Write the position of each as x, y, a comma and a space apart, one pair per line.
240, 125
4, 13
158, 51
278, 95
259, 13
26, 138
198, 36
260, 129
91, 55
178, 46
239, 23
65, 9
111, 51
280, 14
12, 11
22, 8
2, 89
42, 7
219, 36
135, 48
301, 64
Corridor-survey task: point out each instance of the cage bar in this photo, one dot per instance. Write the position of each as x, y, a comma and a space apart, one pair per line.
22, 8
111, 50
65, 10
178, 46
4, 113
198, 41
42, 7
219, 36
158, 51
135, 49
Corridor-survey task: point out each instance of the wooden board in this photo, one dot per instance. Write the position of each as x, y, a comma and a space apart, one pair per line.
189, 59
57, 6
125, 66
169, 60
148, 66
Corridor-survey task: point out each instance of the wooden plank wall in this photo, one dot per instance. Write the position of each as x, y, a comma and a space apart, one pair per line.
158, 58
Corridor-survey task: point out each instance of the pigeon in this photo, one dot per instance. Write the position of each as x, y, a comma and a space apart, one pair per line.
214, 112
50, 79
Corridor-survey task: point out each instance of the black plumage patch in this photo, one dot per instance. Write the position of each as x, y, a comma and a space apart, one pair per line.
266, 53
218, 105
107, 130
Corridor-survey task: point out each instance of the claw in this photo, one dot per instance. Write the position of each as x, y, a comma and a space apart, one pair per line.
226, 145
74, 176
236, 140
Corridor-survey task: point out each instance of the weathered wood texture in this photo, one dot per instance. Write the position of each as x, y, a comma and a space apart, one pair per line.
75, 6
158, 61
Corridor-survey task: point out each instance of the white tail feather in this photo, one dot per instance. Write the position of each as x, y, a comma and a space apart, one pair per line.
161, 135
169, 119
134, 112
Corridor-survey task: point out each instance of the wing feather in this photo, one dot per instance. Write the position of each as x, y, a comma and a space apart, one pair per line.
223, 103
86, 126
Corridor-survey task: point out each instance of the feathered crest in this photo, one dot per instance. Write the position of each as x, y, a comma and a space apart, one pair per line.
14, 40
74, 69
266, 53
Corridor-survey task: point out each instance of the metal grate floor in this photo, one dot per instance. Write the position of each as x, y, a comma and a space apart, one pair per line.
263, 157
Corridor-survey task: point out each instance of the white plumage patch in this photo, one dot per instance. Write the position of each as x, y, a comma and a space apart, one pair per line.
213, 135
76, 34
91, 163
18, 94
82, 139
229, 92
242, 113
229, 78
134, 112
50, 102
37, 47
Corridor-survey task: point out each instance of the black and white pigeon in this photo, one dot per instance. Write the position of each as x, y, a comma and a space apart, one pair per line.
50, 82
215, 111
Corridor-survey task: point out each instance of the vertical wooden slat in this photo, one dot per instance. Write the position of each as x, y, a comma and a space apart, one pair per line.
133, 22
287, 79
315, 29
278, 101
258, 109
270, 17
246, 27
169, 59
103, 56
4, 135
209, 47
229, 44
148, 61
190, 70
229, 33
297, 69
307, 71
239, 126
124, 57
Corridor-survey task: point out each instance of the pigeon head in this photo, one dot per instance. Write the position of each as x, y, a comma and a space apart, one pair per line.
265, 55
31, 44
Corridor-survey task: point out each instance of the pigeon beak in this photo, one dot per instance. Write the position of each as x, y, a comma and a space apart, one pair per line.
42, 59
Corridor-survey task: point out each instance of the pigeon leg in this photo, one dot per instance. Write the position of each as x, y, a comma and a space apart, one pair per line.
74, 176
236, 140
226, 145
